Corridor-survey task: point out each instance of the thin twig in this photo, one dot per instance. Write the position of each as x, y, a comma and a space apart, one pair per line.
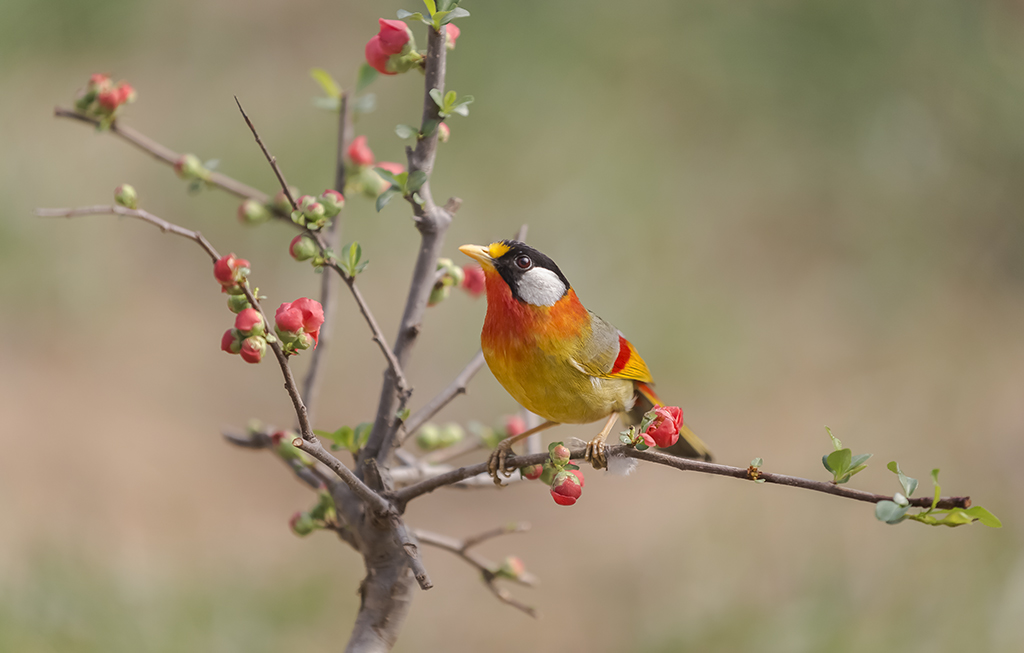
406, 494
488, 570
165, 154
146, 216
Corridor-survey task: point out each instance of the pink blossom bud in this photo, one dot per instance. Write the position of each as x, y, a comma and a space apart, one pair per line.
98, 81
303, 248
512, 568
360, 153
664, 430
109, 100
237, 303
444, 132
126, 93
230, 271
474, 282
314, 212
578, 473
531, 472
566, 489
515, 424
451, 34
559, 455
126, 196
304, 315
251, 212
377, 57
253, 349
250, 322
231, 342
393, 35
333, 202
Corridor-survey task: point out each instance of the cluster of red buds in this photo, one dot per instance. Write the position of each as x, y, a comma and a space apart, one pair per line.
317, 212
449, 275
230, 272
100, 99
560, 473
248, 337
297, 324
393, 49
431, 436
659, 428
361, 178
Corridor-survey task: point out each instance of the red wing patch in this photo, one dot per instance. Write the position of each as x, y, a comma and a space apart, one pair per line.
625, 352
628, 364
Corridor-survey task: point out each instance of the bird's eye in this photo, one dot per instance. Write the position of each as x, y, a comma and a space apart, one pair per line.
524, 262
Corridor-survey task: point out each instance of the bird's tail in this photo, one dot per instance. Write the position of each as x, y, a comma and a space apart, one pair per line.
688, 445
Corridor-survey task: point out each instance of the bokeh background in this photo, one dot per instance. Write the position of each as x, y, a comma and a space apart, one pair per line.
802, 213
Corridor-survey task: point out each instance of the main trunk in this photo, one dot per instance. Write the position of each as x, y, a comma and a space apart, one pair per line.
385, 593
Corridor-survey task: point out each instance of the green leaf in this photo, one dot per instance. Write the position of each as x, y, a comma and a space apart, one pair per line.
824, 461
430, 127
756, 462
858, 461
458, 12
447, 5
889, 512
416, 179
326, 82
323, 434
367, 74
406, 132
909, 484
403, 414
385, 197
431, 7
938, 488
835, 441
435, 95
327, 103
387, 176
642, 446
362, 434
839, 463
625, 439
449, 99
462, 109
364, 104
984, 516
403, 14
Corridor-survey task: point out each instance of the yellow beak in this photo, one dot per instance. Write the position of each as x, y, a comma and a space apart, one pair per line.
478, 253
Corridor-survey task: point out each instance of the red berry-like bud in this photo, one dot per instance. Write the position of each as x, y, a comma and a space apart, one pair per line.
303, 248
578, 474
559, 455
566, 488
393, 35
532, 472
474, 281
250, 322
230, 271
253, 349
377, 57
664, 430
360, 153
126, 196
514, 424
109, 100
451, 34
231, 342
126, 93
444, 132
333, 202
251, 212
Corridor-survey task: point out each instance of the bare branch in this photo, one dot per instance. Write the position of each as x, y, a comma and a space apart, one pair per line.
146, 216
374, 501
270, 158
165, 154
405, 495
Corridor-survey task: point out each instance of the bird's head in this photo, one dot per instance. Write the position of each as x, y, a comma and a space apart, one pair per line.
532, 277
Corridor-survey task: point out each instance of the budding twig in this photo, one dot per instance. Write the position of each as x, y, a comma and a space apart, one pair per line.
406, 494
165, 154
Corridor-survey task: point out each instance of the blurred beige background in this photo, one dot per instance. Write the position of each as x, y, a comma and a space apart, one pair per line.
802, 213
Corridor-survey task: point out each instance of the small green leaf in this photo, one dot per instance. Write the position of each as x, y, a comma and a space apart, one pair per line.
326, 82
625, 439
572, 466
323, 434
403, 414
756, 462
449, 100
431, 7
858, 461
458, 12
416, 179
900, 500
403, 14
824, 461
385, 197
835, 441
447, 5
430, 127
889, 512
642, 446
909, 484
365, 103
435, 95
367, 74
984, 516
839, 463
405, 131
387, 176
938, 488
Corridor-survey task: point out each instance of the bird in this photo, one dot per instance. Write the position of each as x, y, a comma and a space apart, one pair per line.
558, 359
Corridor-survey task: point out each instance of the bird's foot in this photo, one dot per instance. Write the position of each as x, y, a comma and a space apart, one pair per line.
595, 453
496, 463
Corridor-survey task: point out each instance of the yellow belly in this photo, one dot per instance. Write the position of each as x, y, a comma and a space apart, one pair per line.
552, 388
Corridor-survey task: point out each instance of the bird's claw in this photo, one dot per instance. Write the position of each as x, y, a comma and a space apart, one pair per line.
496, 463
595, 454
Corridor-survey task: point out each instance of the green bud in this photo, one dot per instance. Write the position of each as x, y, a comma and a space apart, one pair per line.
238, 303
126, 196
251, 212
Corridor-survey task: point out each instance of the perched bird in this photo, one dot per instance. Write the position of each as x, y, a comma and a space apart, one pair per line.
556, 358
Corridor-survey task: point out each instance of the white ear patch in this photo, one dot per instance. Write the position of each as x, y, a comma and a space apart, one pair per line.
541, 287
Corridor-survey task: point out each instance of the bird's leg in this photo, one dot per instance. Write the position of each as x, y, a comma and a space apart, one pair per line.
595, 448
496, 464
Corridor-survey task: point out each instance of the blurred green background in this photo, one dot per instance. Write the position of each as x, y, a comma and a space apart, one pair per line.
802, 213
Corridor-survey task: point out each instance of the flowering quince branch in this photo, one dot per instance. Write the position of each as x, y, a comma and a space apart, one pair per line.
512, 568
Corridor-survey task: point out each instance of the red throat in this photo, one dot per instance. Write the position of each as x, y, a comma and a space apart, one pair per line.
512, 321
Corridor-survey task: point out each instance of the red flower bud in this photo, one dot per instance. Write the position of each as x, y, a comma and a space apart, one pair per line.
559, 455
126, 93
393, 168
230, 342
512, 568
451, 34
253, 349
303, 248
250, 322
566, 489
304, 315
377, 57
474, 282
109, 100
230, 271
532, 472
360, 153
664, 430
514, 425
393, 35
444, 132
578, 473
333, 202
